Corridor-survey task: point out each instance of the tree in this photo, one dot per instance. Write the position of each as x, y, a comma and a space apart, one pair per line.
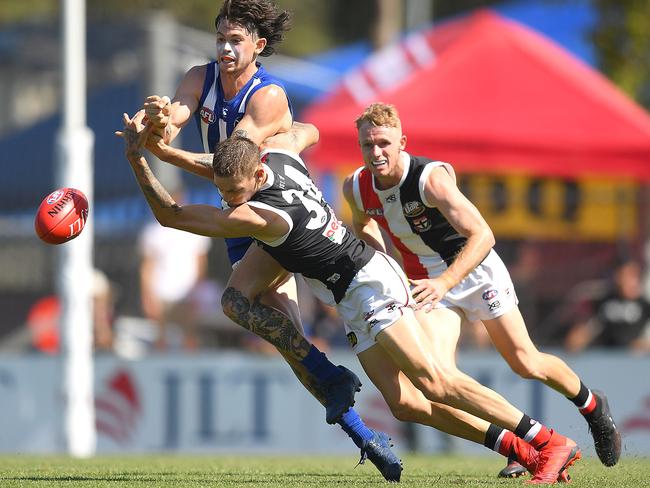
622, 40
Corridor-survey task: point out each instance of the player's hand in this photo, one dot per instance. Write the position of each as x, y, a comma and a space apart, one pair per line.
157, 109
132, 133
427, 293
156, 145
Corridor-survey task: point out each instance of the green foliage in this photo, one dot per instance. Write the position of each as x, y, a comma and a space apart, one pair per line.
27, 10
622, 38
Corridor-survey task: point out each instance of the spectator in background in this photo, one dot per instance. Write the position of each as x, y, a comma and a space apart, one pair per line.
173, 265
44, 316
620, 319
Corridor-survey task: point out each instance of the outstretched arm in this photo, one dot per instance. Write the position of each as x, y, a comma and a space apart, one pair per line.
199, 219
199, 164
298, 138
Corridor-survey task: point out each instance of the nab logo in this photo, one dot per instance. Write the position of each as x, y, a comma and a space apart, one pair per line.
207, 115
352, 339
391, 198
118, 408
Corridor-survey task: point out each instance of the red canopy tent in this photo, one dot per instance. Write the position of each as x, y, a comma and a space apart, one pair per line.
489, 95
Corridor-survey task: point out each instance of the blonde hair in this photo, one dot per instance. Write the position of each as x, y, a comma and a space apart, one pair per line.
380, 115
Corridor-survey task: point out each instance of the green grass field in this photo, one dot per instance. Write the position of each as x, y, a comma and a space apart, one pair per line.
200, 471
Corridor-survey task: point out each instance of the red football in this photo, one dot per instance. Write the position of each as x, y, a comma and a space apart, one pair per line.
61, 216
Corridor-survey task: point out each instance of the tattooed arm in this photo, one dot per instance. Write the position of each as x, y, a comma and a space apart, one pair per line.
199, 164
205, 220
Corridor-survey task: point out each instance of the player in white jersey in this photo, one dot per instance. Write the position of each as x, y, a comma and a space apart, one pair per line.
445, 246
274, 200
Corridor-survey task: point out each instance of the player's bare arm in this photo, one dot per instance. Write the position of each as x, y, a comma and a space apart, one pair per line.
168, 118
205, 220
267, 113
364, 227
296, 139
199, 164
299, 137
441, 191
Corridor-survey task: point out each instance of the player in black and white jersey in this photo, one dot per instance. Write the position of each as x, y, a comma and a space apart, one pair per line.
446, 248
234, 94
274, 201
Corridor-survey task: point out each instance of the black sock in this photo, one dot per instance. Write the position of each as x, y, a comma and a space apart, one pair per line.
581, 398
492, 436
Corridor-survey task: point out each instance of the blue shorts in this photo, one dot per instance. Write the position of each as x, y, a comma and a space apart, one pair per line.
237, 247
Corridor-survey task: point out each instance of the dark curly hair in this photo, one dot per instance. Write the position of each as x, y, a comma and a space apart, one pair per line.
261, 17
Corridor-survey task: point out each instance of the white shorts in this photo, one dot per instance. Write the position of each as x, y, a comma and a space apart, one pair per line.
486, 293
377, 297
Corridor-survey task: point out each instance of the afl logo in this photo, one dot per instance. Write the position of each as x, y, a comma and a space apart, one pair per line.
490, 294
413, 209
54, 197
207, 115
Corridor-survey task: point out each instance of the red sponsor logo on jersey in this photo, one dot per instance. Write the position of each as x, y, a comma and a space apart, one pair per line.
334, 231
207, 115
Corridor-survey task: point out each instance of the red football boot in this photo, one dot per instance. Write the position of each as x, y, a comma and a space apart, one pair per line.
528, 457
554, 459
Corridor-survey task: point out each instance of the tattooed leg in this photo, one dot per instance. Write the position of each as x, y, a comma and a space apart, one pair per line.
276, 328
267, 322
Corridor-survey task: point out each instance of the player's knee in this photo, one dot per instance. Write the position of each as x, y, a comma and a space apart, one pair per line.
235, 305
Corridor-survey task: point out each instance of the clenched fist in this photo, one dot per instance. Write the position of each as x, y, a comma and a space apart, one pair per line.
157, 110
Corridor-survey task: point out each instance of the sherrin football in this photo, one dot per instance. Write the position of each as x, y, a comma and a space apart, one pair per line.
61, 216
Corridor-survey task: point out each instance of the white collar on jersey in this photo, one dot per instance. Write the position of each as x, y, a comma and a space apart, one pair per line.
406, 162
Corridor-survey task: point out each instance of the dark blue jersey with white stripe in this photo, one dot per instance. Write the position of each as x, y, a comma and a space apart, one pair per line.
216, 118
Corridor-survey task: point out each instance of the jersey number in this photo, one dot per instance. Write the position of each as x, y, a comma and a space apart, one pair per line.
310, 198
